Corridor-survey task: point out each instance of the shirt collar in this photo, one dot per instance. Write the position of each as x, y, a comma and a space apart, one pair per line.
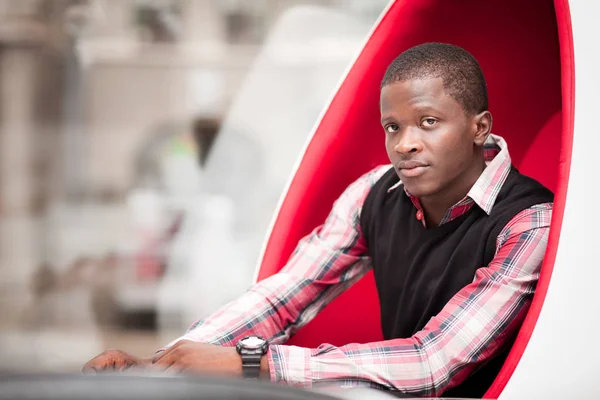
485, 190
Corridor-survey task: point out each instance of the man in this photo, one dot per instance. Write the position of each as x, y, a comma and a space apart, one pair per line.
454, 234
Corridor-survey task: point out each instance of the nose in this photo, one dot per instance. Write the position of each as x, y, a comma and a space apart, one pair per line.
409, 142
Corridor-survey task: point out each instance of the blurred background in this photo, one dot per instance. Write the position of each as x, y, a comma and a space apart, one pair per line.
144, 146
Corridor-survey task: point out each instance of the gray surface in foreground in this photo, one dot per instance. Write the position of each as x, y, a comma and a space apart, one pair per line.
132, 387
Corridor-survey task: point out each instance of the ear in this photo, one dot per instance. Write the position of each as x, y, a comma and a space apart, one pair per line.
483, 127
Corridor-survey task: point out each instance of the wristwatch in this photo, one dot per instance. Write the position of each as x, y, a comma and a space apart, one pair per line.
251, 349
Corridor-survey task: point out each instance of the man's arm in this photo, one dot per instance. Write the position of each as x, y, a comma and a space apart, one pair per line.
475, 324
324, 264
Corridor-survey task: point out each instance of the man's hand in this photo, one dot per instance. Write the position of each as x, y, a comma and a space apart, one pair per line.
114, 360
197, 357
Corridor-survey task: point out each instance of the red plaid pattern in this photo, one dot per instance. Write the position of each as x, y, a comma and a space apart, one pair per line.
471, 328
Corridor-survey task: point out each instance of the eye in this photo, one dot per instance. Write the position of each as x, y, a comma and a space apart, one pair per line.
429, 122
391, 128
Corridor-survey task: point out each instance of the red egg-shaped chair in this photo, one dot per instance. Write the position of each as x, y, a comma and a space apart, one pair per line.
525, 51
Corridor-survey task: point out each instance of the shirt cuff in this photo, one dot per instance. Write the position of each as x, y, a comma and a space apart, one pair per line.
290, 365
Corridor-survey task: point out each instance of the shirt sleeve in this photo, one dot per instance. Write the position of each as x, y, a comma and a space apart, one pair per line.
324, 264
474, 325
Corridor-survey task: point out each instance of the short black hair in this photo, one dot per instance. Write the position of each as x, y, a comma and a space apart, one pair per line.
462, 76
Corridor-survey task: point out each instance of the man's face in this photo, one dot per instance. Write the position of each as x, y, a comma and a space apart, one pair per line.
428, 136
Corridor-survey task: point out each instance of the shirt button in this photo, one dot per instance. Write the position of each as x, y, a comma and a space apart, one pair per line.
420, 215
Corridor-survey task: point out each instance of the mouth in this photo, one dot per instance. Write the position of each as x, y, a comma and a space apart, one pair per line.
411, 169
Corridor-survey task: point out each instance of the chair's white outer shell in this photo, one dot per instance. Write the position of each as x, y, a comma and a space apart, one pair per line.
562, 359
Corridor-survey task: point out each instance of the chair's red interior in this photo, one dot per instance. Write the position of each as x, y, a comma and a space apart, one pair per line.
517, 45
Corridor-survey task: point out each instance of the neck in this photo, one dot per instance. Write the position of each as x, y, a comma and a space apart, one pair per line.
435, 207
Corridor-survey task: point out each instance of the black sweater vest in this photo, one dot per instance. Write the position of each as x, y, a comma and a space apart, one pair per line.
418, 270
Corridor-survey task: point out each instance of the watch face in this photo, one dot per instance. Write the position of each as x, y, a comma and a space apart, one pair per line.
253, 342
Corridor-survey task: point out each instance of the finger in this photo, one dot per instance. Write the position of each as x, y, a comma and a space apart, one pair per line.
164, 363
166, 352
89, 369
95, 365
126, 366
174, 368
160, 354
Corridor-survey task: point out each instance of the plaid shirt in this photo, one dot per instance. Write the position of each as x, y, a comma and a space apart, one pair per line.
333, 257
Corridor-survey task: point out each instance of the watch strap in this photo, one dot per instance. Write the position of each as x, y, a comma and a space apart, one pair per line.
251, 364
